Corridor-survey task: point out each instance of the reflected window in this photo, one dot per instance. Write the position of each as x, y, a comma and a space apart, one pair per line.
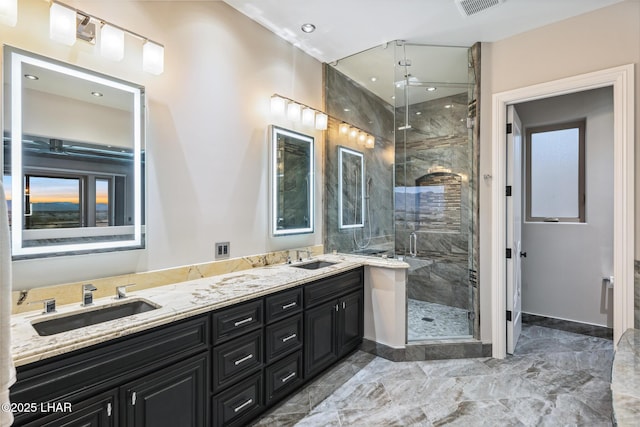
102, 202
52, 202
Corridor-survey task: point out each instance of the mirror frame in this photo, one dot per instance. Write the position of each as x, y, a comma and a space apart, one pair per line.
342, 151
275, 131
17, 57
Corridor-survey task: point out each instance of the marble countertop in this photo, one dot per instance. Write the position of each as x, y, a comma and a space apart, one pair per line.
625, 379
176, 301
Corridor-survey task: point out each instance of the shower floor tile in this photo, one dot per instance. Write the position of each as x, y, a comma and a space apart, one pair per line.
426, 320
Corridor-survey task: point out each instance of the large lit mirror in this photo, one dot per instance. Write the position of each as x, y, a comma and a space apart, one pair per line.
351, 187
292, 182
73, 165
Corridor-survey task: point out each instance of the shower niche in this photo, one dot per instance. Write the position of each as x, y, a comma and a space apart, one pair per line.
418, 185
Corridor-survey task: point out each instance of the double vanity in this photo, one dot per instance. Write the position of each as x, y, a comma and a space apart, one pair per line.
214, 351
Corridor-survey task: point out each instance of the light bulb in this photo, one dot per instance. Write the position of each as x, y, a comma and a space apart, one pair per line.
153, 58
343, 129
293, 111
322, 120
278, 105
62, 24
308, 117
112, 42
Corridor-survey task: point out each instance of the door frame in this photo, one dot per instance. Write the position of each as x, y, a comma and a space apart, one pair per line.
621, 79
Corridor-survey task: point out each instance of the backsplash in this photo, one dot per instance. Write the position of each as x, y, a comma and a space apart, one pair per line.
69, 293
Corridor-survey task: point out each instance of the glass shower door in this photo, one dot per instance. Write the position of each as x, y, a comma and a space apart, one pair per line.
433, 209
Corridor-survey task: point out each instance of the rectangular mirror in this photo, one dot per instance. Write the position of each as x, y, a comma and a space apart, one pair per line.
73, 165
291, 182
350, 188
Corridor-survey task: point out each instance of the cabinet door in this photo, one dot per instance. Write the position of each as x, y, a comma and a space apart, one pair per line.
99, 411
350, 322
320, 337
175, 396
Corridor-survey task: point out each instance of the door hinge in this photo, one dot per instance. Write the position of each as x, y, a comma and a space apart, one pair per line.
508, 252
509, 128
508, 315
508, 191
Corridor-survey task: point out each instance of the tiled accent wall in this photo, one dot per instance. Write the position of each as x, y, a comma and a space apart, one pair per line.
371, 114
69, 293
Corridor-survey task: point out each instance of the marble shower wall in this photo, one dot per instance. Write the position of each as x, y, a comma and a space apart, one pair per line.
437, 142
371, 114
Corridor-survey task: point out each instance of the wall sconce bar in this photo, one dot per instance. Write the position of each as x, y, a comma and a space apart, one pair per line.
298, 112
67, 24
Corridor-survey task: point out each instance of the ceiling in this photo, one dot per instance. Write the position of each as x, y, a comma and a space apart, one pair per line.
346, 27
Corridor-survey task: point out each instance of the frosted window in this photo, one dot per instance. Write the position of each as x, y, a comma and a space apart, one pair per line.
555, 174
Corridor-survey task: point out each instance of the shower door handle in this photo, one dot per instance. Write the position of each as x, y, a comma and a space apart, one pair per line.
413, 244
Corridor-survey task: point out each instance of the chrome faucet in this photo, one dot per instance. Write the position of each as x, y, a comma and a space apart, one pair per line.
87, 294
298, 251
121, 291
49, 305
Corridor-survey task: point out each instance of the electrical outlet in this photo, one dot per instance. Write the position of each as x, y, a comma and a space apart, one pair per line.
223, 250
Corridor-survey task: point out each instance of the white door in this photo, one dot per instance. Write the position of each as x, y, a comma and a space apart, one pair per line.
514, 228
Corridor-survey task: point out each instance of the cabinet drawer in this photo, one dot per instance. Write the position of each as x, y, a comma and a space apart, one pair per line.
283, 377
283, 304
283, 337
239, 404
234, 321
236, 358
332, 287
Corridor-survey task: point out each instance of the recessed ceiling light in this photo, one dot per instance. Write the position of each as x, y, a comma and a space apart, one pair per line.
448, 106
431, 89
418, 113
96, 94
308, 28
346, 110
31, 77
393, 97
373, 79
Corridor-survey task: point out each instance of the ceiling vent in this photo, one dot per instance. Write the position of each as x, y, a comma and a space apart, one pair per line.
473, 7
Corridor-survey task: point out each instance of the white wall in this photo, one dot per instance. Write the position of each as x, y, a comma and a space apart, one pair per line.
597, 40
206, 130
562, 273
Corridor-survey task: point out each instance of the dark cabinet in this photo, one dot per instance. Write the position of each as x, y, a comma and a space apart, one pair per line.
223, 368
333, 320
175, 396
350, 322
320, 341
99, 411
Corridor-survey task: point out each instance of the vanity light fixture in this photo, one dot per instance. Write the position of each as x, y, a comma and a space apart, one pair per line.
112, 42
362, 137
9, 12
308, 116
343, 128
62, 24
66, 24
353, 134
293, 111
278, 105
371, 141
322, 121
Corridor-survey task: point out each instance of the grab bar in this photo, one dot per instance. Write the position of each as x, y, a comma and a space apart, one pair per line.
413, 248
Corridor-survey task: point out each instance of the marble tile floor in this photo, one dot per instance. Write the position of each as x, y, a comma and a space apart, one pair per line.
555, 378
427, 320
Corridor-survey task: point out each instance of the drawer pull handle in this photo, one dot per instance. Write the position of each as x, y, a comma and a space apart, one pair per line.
244, 359
288, 377
344, 305
244, 405
292, 304
290, 337
109, 409
242, 322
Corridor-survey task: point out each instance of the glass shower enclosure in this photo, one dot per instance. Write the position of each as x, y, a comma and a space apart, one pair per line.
420, 104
